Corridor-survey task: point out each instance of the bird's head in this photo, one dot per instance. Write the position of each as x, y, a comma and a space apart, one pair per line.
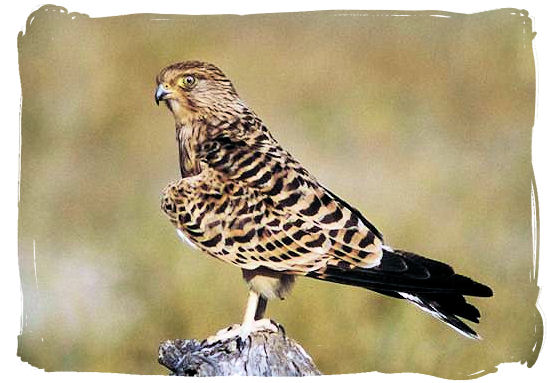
194, 90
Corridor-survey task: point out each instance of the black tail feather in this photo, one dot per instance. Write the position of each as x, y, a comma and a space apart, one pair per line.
431, 285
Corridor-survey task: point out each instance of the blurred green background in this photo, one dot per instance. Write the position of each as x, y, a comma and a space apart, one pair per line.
422, 122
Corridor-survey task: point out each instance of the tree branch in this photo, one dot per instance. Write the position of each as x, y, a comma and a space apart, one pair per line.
264, 353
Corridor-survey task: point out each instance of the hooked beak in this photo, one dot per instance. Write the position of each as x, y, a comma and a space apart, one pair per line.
161, 93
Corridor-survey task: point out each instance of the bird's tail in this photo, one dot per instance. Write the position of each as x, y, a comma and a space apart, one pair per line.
431, 285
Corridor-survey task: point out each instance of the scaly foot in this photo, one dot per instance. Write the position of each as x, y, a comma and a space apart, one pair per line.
243, 331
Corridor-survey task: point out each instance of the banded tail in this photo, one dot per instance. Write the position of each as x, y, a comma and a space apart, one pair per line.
431, 285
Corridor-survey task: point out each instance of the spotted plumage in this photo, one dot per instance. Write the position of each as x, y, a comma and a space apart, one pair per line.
245, 200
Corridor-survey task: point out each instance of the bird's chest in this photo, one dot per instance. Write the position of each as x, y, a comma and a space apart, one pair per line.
188, 138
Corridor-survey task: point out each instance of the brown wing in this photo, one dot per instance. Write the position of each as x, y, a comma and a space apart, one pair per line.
254, 205
238, 226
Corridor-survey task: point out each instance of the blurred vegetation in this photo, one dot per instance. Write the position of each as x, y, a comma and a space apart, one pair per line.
423, 123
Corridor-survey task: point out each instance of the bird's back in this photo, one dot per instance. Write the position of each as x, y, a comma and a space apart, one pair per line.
254, 205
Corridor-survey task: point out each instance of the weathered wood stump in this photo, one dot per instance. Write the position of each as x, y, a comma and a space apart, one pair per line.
264, 353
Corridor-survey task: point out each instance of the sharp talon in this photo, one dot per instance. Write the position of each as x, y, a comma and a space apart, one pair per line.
271, 325
243, 332
240, 343
224, 335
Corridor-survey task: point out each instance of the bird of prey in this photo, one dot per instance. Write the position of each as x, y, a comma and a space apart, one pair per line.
245, 200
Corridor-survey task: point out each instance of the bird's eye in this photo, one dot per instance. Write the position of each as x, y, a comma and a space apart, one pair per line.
187, 81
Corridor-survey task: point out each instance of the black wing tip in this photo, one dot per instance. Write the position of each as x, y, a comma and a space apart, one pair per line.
484, 291
445, 306
469, 334
442, 272
470, 287
448, 312
465, 330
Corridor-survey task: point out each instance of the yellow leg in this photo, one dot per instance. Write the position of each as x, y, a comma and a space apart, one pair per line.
252, 321
251, 308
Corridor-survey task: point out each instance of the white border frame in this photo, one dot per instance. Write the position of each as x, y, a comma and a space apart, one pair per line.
15, 17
